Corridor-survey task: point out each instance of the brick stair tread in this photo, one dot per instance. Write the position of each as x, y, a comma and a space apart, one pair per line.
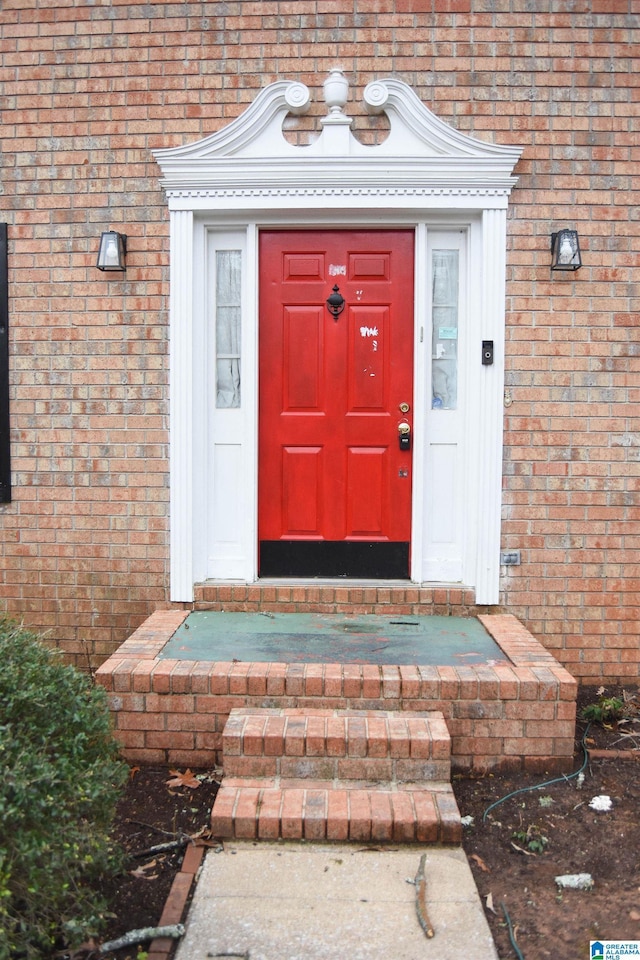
371, 734
269, 783
321, 811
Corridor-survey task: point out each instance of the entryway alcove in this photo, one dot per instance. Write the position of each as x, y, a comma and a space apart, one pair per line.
365, 443
337, 357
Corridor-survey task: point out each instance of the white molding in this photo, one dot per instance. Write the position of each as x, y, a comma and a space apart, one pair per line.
421, 157
181, 359
490, 409
424, 173
388, 189
420, 375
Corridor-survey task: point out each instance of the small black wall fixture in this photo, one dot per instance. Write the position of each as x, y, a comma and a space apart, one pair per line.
487, 353
5, 449
112, 255
336, 302
565, 250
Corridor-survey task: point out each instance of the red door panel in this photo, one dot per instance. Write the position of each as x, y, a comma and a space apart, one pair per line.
367, 369
331, 471
367, 469
301, 470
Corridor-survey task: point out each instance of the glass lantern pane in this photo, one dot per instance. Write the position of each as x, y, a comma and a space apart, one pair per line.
228, 318
444, 356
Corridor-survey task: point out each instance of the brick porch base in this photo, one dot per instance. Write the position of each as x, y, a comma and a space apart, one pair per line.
519, 715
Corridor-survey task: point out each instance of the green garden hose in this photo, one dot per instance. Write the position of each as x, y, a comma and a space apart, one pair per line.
546, 783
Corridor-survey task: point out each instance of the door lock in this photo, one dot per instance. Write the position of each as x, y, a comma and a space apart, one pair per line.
404, 435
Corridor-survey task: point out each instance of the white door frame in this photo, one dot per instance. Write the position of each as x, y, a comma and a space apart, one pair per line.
246, 177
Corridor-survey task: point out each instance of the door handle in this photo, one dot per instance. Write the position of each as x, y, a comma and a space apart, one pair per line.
404, 435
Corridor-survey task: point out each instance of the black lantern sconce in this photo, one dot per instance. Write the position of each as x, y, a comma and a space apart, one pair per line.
336, 302
112, 255
565, 250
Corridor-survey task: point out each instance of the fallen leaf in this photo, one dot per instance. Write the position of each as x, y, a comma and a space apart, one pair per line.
185, 779
489, 902
481, 863
634, 915
141, 872
204, 838
133, 771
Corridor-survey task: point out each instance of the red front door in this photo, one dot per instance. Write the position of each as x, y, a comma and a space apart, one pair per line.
336, 392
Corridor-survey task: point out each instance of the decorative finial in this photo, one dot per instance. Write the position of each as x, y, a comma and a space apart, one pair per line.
336, 91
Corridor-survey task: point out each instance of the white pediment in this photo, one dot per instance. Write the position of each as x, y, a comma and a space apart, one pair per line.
420, 152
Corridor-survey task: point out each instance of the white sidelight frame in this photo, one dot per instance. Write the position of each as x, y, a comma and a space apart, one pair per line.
221, 191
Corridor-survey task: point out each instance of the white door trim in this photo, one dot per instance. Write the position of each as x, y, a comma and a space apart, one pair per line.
247, 176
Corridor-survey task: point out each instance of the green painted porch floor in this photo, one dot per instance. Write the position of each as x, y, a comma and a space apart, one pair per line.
332, 638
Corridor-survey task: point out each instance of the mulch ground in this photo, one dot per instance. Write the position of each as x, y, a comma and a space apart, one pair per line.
516, 849
155, 810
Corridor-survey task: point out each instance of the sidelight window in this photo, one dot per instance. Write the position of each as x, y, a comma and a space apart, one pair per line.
444, 301
228, 318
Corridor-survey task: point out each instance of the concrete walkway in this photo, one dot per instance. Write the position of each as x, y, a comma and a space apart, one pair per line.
293, 901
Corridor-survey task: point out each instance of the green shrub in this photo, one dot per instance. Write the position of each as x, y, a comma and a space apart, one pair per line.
531, 839
606, 710
60, 779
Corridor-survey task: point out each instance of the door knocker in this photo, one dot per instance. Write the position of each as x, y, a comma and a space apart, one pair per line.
336, 302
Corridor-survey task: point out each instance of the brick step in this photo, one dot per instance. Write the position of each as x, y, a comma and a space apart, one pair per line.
389, 599
370, 745
287, 810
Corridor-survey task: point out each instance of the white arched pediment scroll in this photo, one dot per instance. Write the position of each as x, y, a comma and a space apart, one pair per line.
421, 155
414, 125
257, 131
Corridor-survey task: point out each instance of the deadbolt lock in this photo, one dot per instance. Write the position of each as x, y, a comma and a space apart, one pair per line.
404, 435
404, 407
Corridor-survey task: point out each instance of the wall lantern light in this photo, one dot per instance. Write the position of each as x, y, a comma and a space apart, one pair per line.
113, 251
565, 250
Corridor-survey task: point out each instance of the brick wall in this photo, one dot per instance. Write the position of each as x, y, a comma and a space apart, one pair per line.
88, 90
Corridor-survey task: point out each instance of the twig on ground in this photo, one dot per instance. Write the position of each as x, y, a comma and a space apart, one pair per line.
151, 826
527, 853
421, 899
161, 848
174, 932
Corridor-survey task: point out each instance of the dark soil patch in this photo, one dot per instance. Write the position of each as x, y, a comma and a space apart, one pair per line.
151, 813
571, 838
547, 922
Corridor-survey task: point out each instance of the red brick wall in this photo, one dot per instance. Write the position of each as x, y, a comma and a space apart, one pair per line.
88, 90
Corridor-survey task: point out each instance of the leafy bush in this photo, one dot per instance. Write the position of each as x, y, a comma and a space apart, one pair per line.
60, 778
606, 710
